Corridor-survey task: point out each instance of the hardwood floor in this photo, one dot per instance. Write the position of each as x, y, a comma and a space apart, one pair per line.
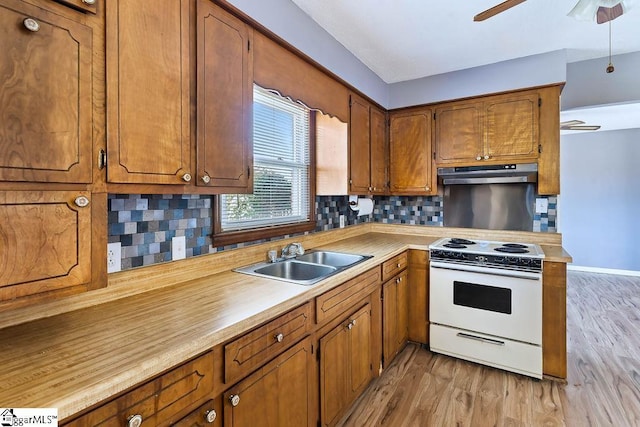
421, 388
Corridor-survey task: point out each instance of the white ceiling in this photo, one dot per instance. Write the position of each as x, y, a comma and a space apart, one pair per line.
407, 39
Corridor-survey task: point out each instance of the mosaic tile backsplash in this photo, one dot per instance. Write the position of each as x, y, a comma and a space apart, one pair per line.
145, 224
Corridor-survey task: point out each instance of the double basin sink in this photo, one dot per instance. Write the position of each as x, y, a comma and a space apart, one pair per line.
305, 269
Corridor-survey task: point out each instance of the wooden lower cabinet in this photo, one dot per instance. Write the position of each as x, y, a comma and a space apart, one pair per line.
159, 402
395, 320
345, 363
554, 319
278, 394
418, 296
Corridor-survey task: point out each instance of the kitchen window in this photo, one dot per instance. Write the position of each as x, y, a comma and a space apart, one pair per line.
282, 175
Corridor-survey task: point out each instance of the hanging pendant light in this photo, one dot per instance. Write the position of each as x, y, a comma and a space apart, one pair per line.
610, 68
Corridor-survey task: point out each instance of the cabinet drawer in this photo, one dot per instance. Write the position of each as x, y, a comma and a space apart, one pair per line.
250, 351
393, 266
158, 402
343, 297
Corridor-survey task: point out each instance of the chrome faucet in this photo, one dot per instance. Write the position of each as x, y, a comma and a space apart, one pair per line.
292, 250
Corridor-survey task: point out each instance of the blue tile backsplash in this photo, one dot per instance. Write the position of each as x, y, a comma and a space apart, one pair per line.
144, 224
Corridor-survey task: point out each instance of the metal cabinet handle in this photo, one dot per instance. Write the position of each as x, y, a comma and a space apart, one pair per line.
81, 201
478, 157
398, 265
210, 415
134, 420
186, 177
89, 1
206, 179
487, 157
31, 24
234, 399
351, 324
279, 337
427, 188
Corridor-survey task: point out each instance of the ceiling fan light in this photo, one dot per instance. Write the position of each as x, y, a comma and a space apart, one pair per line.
587, 10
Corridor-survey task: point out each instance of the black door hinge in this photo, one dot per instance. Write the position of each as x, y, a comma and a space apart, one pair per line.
102, 159
539, 102
248, 45
434, 155
249, 171
434, 116
539, 148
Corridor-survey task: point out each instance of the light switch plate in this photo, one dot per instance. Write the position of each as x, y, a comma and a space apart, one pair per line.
342, 221
542, 206
114, 257
178, 247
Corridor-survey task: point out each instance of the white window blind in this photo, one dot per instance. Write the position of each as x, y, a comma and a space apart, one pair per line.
281, 167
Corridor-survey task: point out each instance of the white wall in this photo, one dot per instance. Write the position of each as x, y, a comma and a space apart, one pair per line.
599, 205
530, 71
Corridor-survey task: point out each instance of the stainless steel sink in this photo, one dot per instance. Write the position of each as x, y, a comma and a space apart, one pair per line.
305, 269
335, 259
294, 270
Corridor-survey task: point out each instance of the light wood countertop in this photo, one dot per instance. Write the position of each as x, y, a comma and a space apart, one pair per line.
74, 360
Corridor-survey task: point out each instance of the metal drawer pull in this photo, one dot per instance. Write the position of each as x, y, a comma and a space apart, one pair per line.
81, 201
88, 1
31, 24
351, 324
134, 421
210, 415
234, 399
482, 339
279, 337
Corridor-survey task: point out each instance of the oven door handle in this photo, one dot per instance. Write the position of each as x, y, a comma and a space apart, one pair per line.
486, 270
482, 339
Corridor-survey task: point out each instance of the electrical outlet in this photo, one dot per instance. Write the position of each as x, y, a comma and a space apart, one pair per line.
341, 221
542, 205
114, 257
178, 247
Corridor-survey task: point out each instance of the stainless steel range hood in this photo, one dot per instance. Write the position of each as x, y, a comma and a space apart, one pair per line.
489, 174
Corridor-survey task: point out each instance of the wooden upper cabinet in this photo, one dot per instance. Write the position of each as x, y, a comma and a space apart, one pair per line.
495, 128
46, 242
225, 97
148, 110
45, 96
459, 132
379, 151
512, 126
411, 153
359, 147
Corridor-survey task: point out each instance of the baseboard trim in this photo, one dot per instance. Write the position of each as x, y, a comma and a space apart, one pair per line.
604, 270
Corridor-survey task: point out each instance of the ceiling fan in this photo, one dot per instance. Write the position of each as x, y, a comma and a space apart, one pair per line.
599, 10
577, 125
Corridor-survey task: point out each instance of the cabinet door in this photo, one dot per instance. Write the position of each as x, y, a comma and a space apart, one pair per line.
45, 96
512, 127
148, 92
345, 364
379, 152
46, 241
225, 96
395, 316
418, 296
278, 394
410, 153
459, 132
359, 147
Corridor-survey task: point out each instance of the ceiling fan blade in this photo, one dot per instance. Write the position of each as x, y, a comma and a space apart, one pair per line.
571, 123
508, 4
580, 127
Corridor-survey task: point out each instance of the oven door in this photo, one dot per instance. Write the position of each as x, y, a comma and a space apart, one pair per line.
497, 302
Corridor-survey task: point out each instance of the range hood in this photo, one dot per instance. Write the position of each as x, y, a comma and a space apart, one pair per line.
489, 174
